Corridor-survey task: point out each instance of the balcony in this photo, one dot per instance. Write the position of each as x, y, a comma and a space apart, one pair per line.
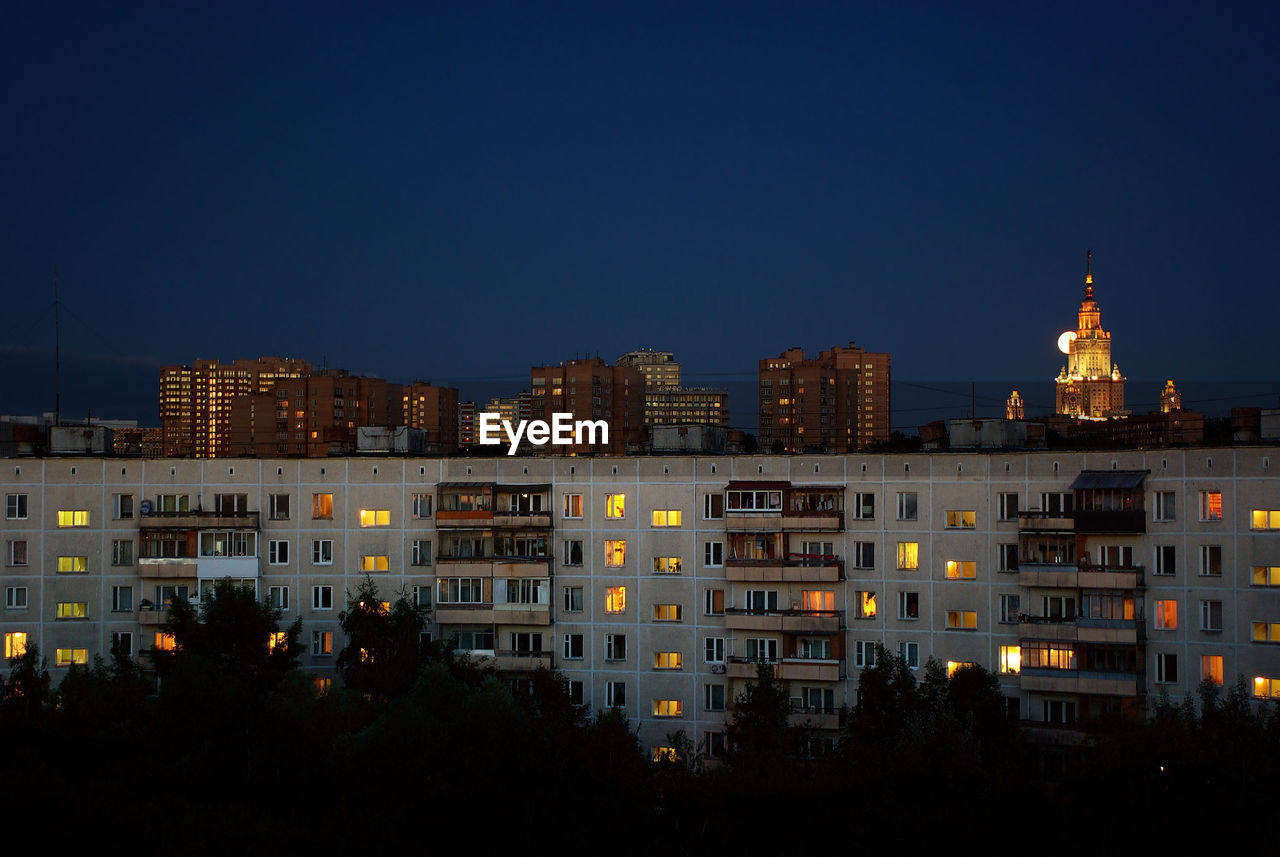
448, 613
1111, 577
153, 616
1056, 630
167, 567
1119, 631
818, 622
825, 521
787, 669
1111, 521
523, 520
1045, 522
453, 519
199, 521
1081, 681
539, 566
214, 567
752, 522
784, 570
526, 662
522, 614
1049, 575
814, 718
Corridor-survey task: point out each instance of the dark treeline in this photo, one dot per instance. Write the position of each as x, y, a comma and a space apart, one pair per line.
233, 747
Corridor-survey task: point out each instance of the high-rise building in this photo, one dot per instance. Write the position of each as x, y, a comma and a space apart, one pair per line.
668, 406
591, 389
835, 402
1090, 386
660, 369
195, 401
433, 410
467, 425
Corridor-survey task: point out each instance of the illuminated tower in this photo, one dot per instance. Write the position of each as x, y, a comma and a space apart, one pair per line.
1090, 386
1014, 407
1170, 398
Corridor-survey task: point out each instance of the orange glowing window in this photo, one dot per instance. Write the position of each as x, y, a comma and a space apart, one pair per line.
1211, 668
1167, 615
962, 620
952, 666
322, 506
818, 599
1011, 660
615, 600
277, 640
1211, 505
667, 708
165, 642
866, 605
615, 552
958, 570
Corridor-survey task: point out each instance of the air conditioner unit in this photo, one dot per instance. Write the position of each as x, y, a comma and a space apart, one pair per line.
717, 669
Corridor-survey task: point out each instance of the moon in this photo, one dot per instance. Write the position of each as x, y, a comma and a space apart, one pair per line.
1065, 340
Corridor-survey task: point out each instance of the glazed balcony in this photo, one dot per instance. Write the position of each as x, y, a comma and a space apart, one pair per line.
1081, 681
1116, 631
167, 567
522, 614
1045, 522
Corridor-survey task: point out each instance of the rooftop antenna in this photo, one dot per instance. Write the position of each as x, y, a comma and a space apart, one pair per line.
57, 353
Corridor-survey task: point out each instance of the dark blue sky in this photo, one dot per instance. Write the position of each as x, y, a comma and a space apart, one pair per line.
457, 192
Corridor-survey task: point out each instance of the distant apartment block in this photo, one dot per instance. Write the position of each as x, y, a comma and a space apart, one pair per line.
660, 369
835, 402
591, 389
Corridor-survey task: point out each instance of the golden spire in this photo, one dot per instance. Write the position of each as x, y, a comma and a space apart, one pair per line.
1088, 275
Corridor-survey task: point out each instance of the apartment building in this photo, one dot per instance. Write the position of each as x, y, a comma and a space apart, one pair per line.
1091, 582
835, 402
591, 389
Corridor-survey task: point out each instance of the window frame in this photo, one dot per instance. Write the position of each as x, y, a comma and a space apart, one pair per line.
322, 597
275, 512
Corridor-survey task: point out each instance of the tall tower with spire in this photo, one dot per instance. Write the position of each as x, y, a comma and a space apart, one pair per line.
1090, 386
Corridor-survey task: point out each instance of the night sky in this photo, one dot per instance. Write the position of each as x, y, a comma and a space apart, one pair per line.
458, 192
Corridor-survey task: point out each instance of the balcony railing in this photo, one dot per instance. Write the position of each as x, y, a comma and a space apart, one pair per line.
199, 520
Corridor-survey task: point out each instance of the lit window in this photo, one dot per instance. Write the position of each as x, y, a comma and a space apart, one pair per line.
277, 639
666, 565
321, 643
961, 518
615, 599
1010, 660
953, 666
865, 605
322, 685
962, 620
72, 564
73, 518
1266, 688
73, 609
165, 642
615, 505
321, 506
1167, 615
374, 562
573, 505
1266, 632
667, 612
667, 660
667, 708
1264, 519
666, 517
1264, 575
1211, 668
67, 657
958, 570
15, 644
615, 552
665, 754
816, 600
908, 555
375, 517
1211, 505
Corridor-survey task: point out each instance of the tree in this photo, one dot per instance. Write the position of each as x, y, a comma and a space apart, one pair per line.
759, 734
234, 633
384, 651
27, 689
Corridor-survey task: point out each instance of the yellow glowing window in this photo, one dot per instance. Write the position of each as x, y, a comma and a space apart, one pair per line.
15, 644
665, 754
964, 620
615, 599
375, 517
322, 685
1211, 668
818, 599
666, 565
67, 657
909, 555
1010, 659
961, 518
1264, 519
866, 605
73, 518
1266, 632
1167, 615
615, 552
73, 609
374, 562
952, 666
958, 570
73, 564
667, 612
276, 640
1266, 688
321, 506
615, 505
1266, 575
667, 660
667, 708
666, 517
165, 642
